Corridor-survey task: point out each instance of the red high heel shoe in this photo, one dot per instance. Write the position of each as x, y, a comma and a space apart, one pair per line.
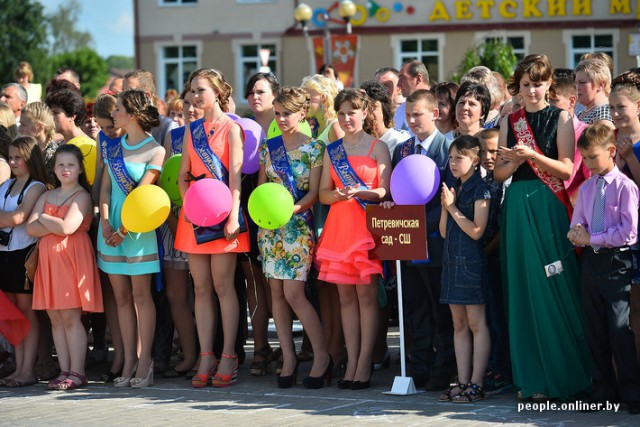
226, 380
203, 380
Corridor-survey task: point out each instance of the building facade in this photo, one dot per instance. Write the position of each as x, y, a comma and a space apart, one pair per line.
175, 37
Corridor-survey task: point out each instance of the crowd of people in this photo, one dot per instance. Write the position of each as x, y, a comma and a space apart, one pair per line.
531, 236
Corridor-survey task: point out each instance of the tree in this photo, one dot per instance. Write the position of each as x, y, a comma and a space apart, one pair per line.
493, 54
93, 70
62, 27
120, 61
23, 37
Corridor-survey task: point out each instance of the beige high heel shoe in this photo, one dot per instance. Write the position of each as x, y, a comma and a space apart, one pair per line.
143, 382
122, 382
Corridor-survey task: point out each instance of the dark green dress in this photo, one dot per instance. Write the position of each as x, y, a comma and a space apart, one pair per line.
548, 348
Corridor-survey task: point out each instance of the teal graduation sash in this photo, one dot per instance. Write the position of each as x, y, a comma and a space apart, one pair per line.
206, 154
282, 167
111, 149
345, 172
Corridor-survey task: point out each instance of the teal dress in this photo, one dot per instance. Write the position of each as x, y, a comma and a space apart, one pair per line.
138, 252
549, 352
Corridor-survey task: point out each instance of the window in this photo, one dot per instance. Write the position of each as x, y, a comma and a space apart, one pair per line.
176, 2
425, 49
176, 63
519, 41
580, 42
248, 62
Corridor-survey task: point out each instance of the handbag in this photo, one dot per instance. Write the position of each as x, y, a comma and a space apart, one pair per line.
215, 232
30, 266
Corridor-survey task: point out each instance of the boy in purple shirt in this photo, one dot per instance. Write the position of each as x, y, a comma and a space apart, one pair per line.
604, 222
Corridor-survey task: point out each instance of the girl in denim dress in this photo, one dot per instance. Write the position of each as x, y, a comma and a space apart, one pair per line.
465, 211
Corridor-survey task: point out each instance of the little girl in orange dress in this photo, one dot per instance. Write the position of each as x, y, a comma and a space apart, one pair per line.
66, 282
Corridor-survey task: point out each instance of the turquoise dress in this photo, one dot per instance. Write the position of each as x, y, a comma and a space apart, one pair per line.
138, 252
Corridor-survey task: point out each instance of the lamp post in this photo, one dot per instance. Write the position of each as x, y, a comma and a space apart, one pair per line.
303, 13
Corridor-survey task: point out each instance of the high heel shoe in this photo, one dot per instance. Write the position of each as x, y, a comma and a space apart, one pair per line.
384, 363
122, 382
290, 380
203, 380
225, 380
143, 382
344, 384
319, 382
361, 385
262, 367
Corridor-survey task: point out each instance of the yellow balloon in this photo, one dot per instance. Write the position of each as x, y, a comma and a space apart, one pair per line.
145, 209
89, 151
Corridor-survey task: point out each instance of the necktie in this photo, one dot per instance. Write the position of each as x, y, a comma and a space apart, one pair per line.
420, 149
597, 219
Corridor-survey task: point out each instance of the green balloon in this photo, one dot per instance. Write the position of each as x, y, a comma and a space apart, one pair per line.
271, 205
274, 130
169, 179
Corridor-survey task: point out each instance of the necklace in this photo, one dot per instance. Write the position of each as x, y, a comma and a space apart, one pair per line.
213, 125
353, 147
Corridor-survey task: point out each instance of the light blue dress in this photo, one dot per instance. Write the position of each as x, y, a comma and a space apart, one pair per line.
138, 253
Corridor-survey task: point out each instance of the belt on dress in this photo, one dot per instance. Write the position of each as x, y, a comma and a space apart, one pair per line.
603, 250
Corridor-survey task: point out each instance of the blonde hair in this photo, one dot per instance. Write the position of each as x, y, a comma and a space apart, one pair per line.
7, 118
602, 56
293, 99
41, 113
482, 75
327, 88
175, 104
24, 69
217, 82
597, 71
105, 104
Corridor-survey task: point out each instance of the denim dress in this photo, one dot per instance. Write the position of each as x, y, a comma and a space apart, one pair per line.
464, 265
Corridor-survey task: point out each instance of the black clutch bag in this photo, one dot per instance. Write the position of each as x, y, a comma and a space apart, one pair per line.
215, 232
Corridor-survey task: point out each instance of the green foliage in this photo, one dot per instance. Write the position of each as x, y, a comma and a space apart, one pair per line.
93, 70
492, 53
120, 61
22, 38
62, 27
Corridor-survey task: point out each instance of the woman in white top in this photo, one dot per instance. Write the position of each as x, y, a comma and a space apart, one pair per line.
17, 198
382, 111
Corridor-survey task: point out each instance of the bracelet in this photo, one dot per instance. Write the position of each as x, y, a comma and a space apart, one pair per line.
122, 233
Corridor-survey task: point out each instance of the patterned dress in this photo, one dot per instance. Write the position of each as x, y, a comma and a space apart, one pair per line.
287, 252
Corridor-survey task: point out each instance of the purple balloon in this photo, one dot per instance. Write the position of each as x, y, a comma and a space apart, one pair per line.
234, 117
415, 180
253, 137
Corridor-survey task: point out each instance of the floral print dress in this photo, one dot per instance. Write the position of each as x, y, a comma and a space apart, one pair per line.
287, 252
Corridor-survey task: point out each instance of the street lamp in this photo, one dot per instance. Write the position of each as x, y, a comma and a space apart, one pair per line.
303, 13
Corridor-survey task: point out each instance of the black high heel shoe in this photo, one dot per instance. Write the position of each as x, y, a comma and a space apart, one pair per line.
290, 380
344, 384
319, 382
361, 385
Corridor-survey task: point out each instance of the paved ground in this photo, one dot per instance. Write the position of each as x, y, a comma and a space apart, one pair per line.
258, 401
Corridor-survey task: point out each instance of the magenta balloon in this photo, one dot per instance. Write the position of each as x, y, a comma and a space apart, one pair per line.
207, 202
253, 137
414, 180
234, 117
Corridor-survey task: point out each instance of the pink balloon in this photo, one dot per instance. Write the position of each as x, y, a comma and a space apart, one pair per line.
234, 117
414, 180
253, 137
207, 202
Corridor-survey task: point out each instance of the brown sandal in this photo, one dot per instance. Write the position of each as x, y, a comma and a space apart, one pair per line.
447, 395
473, 393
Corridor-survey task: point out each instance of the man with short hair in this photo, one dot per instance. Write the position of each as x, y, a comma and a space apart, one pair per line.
412, 76
15, 96
388, 77
68, 74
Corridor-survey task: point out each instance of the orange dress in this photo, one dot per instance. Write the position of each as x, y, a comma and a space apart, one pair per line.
67, 275
185, 238
342, 256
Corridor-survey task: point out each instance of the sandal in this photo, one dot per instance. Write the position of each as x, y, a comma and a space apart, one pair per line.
53, 384
203, 380
447, 395
69, 384
18, 383
262, 367
473, 393
225, 380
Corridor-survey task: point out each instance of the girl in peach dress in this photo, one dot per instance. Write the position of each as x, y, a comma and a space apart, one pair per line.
66, 282
343, 248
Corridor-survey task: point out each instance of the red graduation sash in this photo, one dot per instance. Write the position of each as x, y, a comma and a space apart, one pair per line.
524, 135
